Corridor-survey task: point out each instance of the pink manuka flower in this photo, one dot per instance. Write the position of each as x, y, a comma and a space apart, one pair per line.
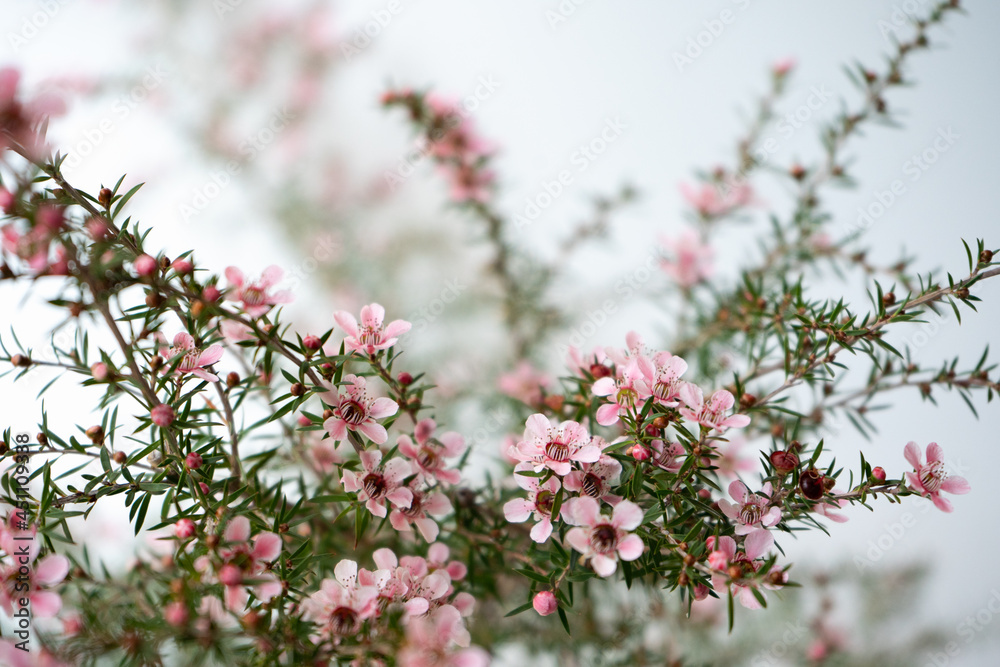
829, 509
357, 411
930, 479
371, 336
713, 413
255, 296
429, 453
14, 584
627, 391
540, 500
602, 539
751, 512
342, 604
244, 562
439, 639
407, 581
668, 455
525, 383
470, 183
592, 363
665, 380
193, 360
690, 260
377, 483
596, 479
748, 560
422, 507
713, 200
556, 447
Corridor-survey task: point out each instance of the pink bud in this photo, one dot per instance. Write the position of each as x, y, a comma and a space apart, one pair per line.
545, 603
784, 66
97, 228
204, 488
182, 266
304, 421
145, 265
184, 528
162, 415
404, 379
230, 575
72, 625
50, 217
99, 371
639, 452
176, 614
6, 200
193, 461
878, 473
211, 293
700, 592
312, 342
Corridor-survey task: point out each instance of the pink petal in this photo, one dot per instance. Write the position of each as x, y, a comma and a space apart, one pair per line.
729, 509
204, 375
541, 530
630, 548
45, 604
518, 510
238, 530
758, 543
346, 572
934, 453
406, 447
396, 470
416, 606
271, 276
383, 407
748, 599
267, 590
375, 432
183, 340
956, 485
52, 569
370, 458
738, 491
376, 508
588, 454
692, 395
346, 322
627, 515
428, 529
437, 504
402, 497
912, 454
735, 421
579, 539
537, 426
583, 511
397, 328
266, 546
604, 387
234, 276
607, 414
603, 565
399, 522
942, 503
210, 355
336, 427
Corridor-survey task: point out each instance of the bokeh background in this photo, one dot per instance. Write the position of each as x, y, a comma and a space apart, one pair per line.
184, 84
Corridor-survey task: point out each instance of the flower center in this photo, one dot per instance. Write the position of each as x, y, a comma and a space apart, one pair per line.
370, 336
344, 621
751, 512
593, 485
253, 296
932, 475
375, 485
604, 538
544, 501
414, 511
626, 397
353, 412
557, 450
427, 458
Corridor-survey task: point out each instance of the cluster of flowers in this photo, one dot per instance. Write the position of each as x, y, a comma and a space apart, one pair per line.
421, 588
451, 141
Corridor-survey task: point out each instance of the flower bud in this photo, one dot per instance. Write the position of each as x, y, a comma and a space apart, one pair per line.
184, 528
204, 488
811, 484
96, 434
120, 457
162, 415
145, 265
104, 197
297, 389
230, 575
784, 462
182, 266
193, 461
985, 257
42, 439
232, 379
304, 421
154, 300
20, 360
176, 614
878, 473
404, 379
639, 452
211, 293
545, 603
599, 371
197, 308
312, 343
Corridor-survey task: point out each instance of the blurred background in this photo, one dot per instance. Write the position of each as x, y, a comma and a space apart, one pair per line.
258, 130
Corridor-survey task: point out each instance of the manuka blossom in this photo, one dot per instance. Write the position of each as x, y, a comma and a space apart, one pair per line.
625, 393
556, 447
371, 335
668, 455
422, 507
439, 639
747, 561
664, 381
713, 200
377, 483
245, 561
256, 297
355, 410
540, 501
407, 581
751, 512
596, 479
14, 584
930, 479
192, 360
604, 539
341, 605
713, 413
429, 453
525, 383
689, 261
